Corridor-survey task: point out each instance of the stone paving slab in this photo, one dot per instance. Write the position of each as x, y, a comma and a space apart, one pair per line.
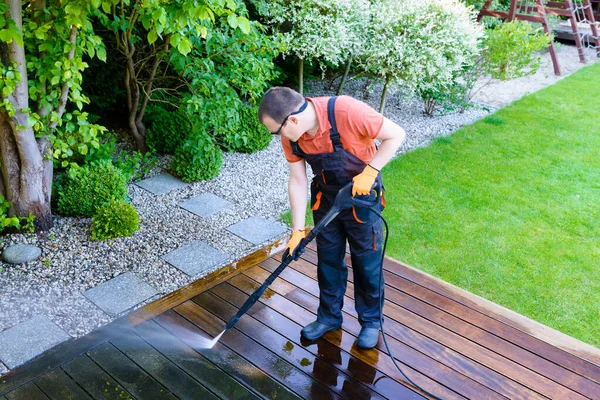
161, 184
29, 339
257, 230
120, 294
205, 205
195, 257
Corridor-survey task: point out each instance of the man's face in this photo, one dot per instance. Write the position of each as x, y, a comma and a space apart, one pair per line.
289, 130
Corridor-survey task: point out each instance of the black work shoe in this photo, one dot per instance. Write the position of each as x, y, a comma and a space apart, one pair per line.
368, 337
315, 330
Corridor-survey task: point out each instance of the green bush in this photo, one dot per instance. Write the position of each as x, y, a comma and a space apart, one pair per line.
250, 135
19, 223
116, 218
86, 188
133, 164
167, 129
198, 159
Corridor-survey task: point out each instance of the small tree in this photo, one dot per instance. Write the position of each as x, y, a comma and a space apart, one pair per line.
41, 59
507, 52
317, 29
421, 44
148, 32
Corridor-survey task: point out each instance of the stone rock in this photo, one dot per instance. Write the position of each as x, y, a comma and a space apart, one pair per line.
20, 253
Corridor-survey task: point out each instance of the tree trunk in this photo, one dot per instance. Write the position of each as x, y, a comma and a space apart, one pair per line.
24, 171
384, 95
301, 76
339, 90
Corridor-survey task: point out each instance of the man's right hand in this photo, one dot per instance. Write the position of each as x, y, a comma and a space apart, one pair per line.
295, 239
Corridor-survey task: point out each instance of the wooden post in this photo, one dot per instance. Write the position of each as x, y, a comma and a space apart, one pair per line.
589, 13
483, 9
575, 28
552, 49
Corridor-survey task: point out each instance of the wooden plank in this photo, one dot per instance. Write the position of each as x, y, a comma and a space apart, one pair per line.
302, 359
94, 380
452, 315
429, 327
57, 385
326, 351
187, 292
160, 368
450, 357
226, 359
555, 346
193, 363
27, 392
284, 372
127, 373
421, 369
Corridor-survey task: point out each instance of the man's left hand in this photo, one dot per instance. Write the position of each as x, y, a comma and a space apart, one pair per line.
363, 182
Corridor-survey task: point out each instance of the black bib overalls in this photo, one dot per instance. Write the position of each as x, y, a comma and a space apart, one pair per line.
360, 227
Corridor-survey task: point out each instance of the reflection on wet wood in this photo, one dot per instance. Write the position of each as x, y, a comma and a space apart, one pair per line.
449, 342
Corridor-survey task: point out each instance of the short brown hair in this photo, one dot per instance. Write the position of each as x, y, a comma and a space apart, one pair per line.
278, 103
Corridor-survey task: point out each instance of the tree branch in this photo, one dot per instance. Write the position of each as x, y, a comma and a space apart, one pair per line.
62, 102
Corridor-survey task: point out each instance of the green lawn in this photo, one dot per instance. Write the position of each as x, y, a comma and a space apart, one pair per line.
509, 208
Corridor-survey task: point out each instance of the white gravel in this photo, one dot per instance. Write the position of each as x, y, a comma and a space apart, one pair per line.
257, 186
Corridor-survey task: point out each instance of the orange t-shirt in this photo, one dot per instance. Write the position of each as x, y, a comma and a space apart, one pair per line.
358, 124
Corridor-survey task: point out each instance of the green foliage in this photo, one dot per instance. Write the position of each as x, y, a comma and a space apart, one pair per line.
249, 136
318, 29
422, 45
116, 218
74, 139
86, 188
167, 129
222, 69
133, 164
510, 50
199, 158
24, 224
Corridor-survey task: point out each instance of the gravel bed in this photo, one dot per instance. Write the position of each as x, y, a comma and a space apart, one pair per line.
255, 183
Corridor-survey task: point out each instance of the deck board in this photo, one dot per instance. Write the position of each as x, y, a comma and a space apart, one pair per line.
447, 341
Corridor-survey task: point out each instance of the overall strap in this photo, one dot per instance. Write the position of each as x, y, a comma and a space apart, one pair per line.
296, 150
333, 133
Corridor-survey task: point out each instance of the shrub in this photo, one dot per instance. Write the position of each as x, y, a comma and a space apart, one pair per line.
198, 159
133, 164
421, 44
167, 129
116, 218
86, 188
508, 52
19, 223
250, 135
75, 139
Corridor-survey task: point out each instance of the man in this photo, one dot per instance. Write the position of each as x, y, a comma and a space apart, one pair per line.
336, 137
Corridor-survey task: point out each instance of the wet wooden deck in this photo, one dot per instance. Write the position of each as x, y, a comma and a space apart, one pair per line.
451, 343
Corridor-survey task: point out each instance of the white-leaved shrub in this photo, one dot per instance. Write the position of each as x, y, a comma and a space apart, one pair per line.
423, 45
323, 30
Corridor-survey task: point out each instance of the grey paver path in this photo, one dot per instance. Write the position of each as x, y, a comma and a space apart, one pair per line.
206, 204
161, 184
28, 339
195, 257
257, 230
120, 294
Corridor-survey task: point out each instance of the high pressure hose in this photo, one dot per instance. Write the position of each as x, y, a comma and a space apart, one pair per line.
381, 299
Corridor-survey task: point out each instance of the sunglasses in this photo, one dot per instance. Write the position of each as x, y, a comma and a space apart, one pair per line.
278, 131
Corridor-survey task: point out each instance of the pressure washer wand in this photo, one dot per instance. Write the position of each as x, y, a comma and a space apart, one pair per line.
343, 200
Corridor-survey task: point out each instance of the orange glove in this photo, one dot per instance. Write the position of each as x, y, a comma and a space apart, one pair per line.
297, 236
364, 181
